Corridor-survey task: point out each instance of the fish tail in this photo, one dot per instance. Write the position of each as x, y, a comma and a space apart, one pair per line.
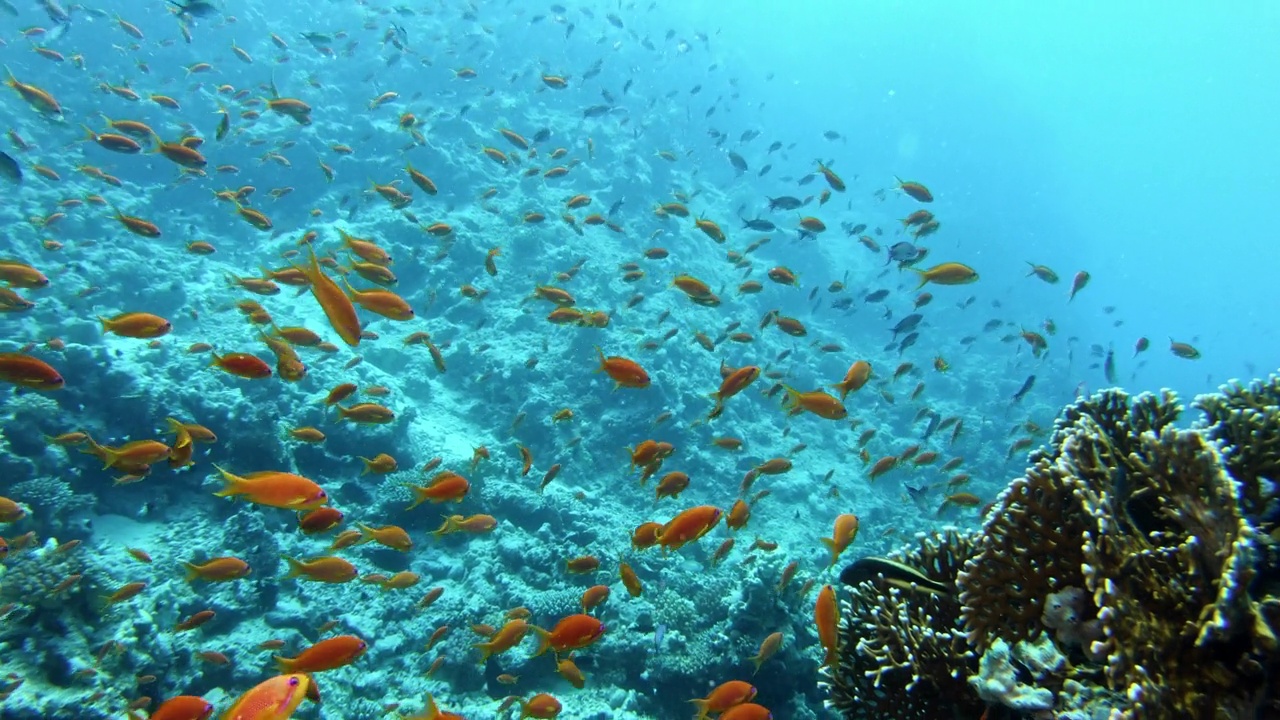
284, 664
342, 414
924, 278
232, 483
830, 545
486, 649
192, 572
602, 361
703, 707
419, 496
106, 324
544, 640
296, 568
366, 533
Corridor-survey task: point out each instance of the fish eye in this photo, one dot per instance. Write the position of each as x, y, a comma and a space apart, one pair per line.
293, 682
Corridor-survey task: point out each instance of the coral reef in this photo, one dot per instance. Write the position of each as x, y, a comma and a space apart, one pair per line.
903, 651
1132, 567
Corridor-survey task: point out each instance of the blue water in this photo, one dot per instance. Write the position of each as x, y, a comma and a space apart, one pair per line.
1135, 143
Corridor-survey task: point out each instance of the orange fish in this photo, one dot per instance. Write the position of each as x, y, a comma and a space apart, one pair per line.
541, 706
217, 570
335, 303
645, 535
571, 633
10, 511
768, 647
131, 455
327, 569
136, 325
688, 526
854, 379
447, 486
366, 413
734, 383
724, 696
392, 536
842, 536
747, 711
817, 402
383, 302
320, 520
826, 615
29, 372
183, 707
328, 654
274, 489
508, 637
624, 372
243, 365
471, 524
274, 699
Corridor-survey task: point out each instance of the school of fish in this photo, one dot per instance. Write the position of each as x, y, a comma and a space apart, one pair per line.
371, 265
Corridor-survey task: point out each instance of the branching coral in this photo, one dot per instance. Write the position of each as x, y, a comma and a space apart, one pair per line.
1144, 550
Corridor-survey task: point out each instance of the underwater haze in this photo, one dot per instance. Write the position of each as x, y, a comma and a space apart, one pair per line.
525, 359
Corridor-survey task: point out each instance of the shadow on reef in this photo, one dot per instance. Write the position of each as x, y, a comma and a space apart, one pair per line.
1133, 572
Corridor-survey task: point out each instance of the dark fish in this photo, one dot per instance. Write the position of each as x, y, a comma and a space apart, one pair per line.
761, 225
842, 303
55, 11
542, 135
764, 171
897, 574
749, 135
614, 20
738, 162
9, 8
1027, 384
614, 208
608, 96
907, 342
596, 111
807, 179
907, 324
10, 170
695, 90
1109, 366
902, 252
777, 145
319, 41
831, 135
932, 426
876, 296
917, 494
786, 202
401, 36
194, 8
992, 325
627, 86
